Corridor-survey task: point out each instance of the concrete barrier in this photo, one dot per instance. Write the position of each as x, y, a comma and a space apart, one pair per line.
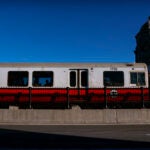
74, 116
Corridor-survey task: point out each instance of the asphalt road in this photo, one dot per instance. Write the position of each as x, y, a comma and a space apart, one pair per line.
79, 136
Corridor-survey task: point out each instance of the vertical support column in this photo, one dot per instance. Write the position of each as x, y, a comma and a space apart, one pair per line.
68, 102
30, 97
105, 97
149, 92
142, 97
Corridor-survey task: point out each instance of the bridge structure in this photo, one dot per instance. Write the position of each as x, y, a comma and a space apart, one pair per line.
74, 116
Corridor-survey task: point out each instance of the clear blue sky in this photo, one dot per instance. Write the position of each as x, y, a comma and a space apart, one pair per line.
70, 30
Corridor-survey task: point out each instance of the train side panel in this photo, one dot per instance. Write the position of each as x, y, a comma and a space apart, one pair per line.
96, 93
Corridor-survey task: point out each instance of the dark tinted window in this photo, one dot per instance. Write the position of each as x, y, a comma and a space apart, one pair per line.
137, 78
18, 78
113, 78
42, 78
84, 78
72, 78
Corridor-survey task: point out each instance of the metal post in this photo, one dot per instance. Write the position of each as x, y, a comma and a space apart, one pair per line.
30, 97
105, 97
142, 97
68, 103
149, 92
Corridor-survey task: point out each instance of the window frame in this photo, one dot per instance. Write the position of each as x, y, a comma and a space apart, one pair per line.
84, 78
9, 84
72, 80
113, 85
41, 77
137, 78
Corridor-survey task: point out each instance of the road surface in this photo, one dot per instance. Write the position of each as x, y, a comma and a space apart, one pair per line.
79, 136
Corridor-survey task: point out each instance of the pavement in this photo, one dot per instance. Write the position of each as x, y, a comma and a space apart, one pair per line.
74, 136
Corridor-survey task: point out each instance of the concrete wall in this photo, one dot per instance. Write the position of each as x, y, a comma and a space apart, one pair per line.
74, 116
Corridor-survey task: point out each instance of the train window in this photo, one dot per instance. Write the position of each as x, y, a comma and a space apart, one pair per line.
72, 78
18, 78
42, 78
113, 78
137, 78
84, 78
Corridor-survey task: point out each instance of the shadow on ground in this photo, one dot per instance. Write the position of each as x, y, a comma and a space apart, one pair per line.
23, 139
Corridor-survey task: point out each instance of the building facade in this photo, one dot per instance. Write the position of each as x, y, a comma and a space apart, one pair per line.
142, 51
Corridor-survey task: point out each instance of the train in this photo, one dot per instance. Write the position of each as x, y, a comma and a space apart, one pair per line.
64, 85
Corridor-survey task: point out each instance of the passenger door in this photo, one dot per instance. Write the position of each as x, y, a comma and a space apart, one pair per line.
78, 78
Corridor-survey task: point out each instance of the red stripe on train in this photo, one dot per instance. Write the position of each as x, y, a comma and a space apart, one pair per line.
93, 95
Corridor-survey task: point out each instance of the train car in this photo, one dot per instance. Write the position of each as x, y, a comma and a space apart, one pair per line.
88, 85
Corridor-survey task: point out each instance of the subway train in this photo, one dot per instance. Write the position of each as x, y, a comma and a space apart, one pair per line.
64, 85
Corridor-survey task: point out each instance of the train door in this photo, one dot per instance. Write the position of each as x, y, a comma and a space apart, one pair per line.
78, 78
78, 83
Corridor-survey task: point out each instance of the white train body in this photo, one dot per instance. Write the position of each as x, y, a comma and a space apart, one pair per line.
34, 85
93, 72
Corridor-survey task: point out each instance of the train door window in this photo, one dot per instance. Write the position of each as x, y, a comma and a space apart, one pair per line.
42, 78
79, 78
137, 78
72, 78
113, 78
84, 78
18, 78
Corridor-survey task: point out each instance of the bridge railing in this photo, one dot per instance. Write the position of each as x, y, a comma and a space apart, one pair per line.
85, 97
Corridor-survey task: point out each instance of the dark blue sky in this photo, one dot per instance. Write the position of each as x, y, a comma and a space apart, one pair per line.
70, 30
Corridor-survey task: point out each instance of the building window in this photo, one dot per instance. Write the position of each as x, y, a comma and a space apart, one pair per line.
42, 78
18, 78
113, 78
137, 78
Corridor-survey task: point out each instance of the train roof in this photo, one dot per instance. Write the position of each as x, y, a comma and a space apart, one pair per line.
72, 65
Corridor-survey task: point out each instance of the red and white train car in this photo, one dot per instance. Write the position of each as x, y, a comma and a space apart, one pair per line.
65, 84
